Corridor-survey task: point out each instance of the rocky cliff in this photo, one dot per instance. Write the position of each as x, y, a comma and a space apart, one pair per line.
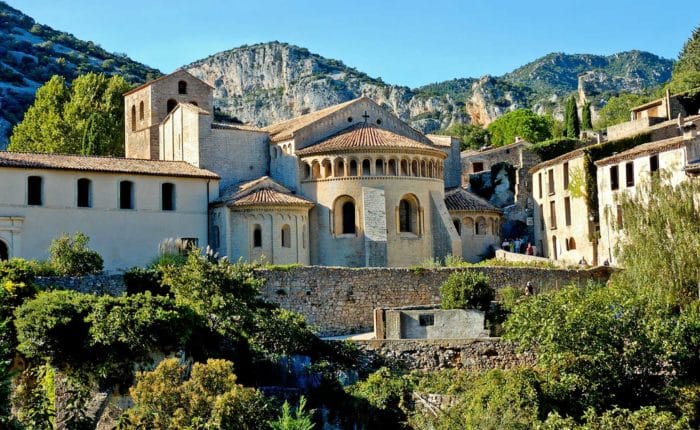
270, 82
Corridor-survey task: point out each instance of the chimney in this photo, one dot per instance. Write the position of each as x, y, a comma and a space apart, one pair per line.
517, 139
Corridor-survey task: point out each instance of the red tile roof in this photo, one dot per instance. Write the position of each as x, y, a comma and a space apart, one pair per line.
285, 130
367, 136
459, 199
261, 192
136, 166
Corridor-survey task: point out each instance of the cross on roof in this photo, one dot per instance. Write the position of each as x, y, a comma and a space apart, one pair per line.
365, 116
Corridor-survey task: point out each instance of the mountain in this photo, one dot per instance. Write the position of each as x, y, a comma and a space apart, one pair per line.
31, 53
269, 82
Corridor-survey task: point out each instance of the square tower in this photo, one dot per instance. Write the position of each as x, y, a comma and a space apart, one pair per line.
146, 106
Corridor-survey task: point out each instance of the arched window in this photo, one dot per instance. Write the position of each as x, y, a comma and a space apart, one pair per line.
133, 117
468, 226
348, 218
339, 168
182, 87
458, 226
481, 227
34, 191
215, 237
126, 195
4, 251
327, 170
171, 105
571, 244
404, 167
379, 167
168, 196
84, 193
353, 168
392, 168
316, 170
257, 236
306, 170
423, 169
408, 214
365, 167
141, 111
345, 221
286, 236
414, 168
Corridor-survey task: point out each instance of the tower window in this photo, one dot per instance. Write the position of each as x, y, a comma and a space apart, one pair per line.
133, 118
408, 214
141, 111
168, 196
257, 236
286, 236
34, 191
84, 193
349, 218
171, 105
182, 87
126, 195
614, 178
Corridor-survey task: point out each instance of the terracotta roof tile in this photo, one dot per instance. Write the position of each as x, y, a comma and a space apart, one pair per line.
459, 199
645, 149
366, 136
285, 130
263, 191
102, 164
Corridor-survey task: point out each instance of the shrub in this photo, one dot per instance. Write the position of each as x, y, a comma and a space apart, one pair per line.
382, 399
284, 332
466, 289
139, 280
71, 257
300, 420
17, 270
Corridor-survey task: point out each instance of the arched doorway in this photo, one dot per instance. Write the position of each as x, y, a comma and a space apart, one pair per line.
4, 251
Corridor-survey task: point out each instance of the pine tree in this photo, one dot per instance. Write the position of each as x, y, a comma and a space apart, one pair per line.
686, 71
573, 126
586, 123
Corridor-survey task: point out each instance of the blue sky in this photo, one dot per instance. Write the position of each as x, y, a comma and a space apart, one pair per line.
404, 42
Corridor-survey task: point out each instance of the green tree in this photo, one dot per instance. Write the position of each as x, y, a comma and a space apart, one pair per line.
472, 136
617, 109
586, 122
523, 123
689, 57
85, 117
170, 397
70, 256
573, 126
466, 289
299, 420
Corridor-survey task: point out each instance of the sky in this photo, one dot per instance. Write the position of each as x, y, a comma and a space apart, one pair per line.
407, 42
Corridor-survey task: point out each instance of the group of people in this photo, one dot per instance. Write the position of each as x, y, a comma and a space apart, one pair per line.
519, 246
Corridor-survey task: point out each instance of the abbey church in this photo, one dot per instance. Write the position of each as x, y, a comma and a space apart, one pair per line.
349, 185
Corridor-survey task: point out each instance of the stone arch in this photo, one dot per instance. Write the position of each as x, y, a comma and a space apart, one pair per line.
408, 214
391, 168
468, 227
182, 87
315, 170
414, 168
352, 171
327, 168
404, 167
4, 251
344, 216
286, 236
480, 226
366, 166
306, 170
423, 169
339, 169
379, 167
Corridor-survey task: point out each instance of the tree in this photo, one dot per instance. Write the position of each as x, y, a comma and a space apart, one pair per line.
70, 256
586, 122
170, 397
86, 117
617, 109
466, 290
523, 123
689, 57
300, 420
472, 136
573, 126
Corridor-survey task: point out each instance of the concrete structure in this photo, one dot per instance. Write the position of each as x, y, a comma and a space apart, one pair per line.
126, 207
428, 322
624, 173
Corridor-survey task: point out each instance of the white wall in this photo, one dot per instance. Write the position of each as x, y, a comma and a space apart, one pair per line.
123, 237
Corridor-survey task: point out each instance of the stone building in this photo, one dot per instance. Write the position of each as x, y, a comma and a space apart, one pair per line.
349, 185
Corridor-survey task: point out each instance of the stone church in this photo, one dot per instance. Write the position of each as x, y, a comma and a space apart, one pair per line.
349, 185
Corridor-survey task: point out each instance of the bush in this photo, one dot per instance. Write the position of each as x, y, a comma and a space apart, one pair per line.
284, 332
467, 290
383, 399
139, 280
17, 270
300, 420
71, 257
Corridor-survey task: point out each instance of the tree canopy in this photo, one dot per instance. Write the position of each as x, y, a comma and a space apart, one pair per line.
522, 122
617, 109
686, 71
573, 125
85, 117
472, 136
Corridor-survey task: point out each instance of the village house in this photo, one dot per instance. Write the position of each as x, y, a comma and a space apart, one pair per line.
349, 185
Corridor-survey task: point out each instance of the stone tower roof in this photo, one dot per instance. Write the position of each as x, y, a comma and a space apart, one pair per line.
459, 199
263, 191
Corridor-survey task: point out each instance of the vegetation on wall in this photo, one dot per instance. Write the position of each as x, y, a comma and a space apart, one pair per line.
466, 290
553, 148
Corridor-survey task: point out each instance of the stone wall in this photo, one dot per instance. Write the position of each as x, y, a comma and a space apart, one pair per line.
342, 300
95, 284
472, 354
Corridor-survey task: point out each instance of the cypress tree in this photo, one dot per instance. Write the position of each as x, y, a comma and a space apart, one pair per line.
586, 123
573, 126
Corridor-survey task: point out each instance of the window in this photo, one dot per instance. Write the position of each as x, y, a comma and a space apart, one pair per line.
171, 105
257, 236
539, 176
133, 117
481, 227
541, 218
215, 237
379, 167
344, 221
34, 191
4, 251
552, 215
468, 227
126, 195
141, 111
353, 168
286, 236
566, 175
425, 320
182, 87
168, 197
365, 167
551, 181
348, 218
477, 167
84, 193
629, 174
654, 163
408, 214
458, 226
614, 178
555, 254
567, 210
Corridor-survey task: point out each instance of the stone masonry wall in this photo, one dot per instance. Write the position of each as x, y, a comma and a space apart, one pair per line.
472, 354
96, 284
342, 300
